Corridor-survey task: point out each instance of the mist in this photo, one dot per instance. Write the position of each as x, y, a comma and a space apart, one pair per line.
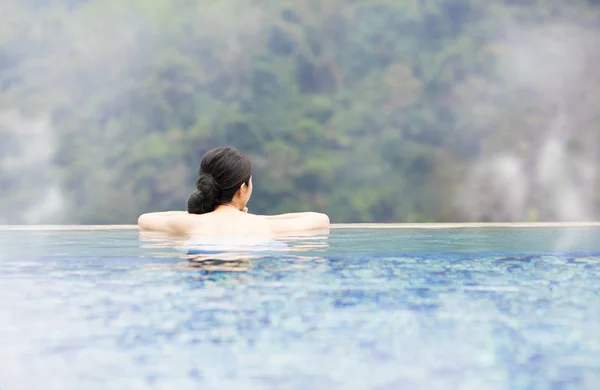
99, 124
553, 68
29, 146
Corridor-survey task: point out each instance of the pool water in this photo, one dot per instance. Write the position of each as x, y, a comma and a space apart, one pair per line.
357, 309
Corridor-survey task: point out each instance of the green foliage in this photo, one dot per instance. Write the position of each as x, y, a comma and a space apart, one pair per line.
369, 110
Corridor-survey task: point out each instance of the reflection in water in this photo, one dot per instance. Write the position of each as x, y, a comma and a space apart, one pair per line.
231, 254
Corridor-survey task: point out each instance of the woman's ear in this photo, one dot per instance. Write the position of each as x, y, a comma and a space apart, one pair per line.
242, 190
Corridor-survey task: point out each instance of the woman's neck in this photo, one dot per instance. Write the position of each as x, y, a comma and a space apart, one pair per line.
228, 207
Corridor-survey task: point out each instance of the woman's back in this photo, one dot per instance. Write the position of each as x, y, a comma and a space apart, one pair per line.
227, 221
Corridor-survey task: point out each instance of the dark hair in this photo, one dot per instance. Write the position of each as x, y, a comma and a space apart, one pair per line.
222, 172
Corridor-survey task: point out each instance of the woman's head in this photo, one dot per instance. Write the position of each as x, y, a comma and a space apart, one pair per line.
224, 177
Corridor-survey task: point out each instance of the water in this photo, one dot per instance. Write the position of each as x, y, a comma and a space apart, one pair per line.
359, 309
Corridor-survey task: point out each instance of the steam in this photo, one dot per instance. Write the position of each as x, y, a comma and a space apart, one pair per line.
27, 163
566, 183
549, 180
496, 189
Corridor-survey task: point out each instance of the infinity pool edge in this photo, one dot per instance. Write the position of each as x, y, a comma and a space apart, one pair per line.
334, 226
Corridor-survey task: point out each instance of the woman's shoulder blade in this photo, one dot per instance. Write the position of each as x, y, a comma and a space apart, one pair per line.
222, 225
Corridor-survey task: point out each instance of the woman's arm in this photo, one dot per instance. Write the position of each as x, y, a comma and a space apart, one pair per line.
285, 216
167, 213
166, 221
292, 215
298, 222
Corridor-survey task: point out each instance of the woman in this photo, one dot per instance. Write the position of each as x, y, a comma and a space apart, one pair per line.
218, 205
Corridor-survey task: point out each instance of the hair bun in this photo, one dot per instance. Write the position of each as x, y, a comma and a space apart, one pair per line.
206, 197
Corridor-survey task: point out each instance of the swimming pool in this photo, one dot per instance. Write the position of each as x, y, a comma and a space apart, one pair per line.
358, 309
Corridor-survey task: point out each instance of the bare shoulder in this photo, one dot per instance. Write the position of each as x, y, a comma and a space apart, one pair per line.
254, 224
170, 221
300, 223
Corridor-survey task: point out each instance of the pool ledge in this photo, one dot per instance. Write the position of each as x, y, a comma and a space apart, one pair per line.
472, 225
339, 226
